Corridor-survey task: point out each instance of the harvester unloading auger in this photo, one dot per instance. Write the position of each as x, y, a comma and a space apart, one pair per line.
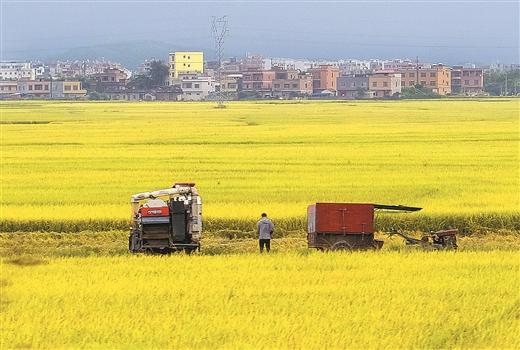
166, 220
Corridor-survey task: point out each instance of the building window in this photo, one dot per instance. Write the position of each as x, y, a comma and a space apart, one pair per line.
466, 82
46, 87
432, 75
75, 87
412, 75
423, 75
385, 83
423, 83
38, 87
476, 82
276, 86
286, 86
197, 86
374, 84
432, 83
404, 83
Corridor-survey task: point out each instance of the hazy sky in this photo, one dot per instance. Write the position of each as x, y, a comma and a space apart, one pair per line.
439, 31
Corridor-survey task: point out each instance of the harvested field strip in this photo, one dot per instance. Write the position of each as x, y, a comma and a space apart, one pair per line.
109, 243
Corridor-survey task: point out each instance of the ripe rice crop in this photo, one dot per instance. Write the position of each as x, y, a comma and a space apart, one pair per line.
72, 166
287, 300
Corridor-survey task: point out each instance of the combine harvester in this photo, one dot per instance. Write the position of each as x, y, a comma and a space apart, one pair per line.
166, 221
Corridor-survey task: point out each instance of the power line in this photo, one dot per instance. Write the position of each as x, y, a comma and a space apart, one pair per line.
219, 28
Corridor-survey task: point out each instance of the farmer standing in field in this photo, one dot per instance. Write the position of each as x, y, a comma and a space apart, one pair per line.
265, 229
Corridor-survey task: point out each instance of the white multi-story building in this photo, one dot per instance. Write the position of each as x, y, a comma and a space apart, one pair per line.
14, 70
195, 87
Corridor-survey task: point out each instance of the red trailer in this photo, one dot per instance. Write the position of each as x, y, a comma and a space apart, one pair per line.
345, 226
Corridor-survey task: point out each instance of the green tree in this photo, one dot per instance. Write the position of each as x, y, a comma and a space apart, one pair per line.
94, 95
418, 91
499, 83
140, 82
158, 73
154, 77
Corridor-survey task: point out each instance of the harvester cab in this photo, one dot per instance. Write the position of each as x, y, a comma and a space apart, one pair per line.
166, 220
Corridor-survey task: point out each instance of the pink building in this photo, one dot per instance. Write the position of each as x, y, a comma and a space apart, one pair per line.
468, 81
260, 81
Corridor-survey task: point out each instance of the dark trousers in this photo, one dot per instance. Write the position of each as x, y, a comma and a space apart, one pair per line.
265, 243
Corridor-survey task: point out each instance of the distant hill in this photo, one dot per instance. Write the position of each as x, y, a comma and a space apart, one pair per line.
129, 53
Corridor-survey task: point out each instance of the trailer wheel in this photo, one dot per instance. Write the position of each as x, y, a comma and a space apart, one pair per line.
341, 245
376, 245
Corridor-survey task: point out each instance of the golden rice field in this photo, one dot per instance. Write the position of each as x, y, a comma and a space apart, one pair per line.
366, 300
73, 166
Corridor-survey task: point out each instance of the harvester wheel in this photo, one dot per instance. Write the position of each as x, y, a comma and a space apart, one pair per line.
341, 245
133, 242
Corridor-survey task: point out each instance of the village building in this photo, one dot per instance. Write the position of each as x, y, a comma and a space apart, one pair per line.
258, 81
467, 81
353, 86
290, 83
385, 84
436, 78
324, 78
